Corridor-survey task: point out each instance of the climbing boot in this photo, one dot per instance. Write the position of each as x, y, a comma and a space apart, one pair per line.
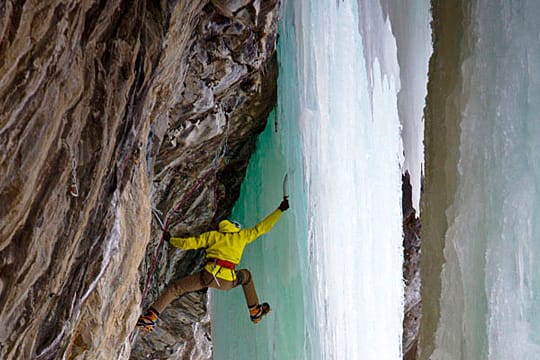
256, 312
148, 321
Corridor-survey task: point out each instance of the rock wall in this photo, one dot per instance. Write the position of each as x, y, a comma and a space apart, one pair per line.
411, 272
451, 20
126, 104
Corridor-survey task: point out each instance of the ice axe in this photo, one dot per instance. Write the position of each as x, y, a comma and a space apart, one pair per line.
285, 192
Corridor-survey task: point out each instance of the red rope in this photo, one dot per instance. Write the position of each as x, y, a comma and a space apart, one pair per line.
165, 227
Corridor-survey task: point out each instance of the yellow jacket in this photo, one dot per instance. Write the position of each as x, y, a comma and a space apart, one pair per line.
226, 244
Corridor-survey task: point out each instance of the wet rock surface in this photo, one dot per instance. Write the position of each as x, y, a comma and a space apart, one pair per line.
126, 105
411, 272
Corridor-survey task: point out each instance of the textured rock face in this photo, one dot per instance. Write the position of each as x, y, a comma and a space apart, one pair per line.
133, 102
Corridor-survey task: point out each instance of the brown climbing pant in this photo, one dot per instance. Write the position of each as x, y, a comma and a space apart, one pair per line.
203, 279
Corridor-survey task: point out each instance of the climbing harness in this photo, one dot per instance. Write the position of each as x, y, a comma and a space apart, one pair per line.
222, 264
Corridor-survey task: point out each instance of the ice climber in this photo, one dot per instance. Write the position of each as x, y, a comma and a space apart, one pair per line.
224, 250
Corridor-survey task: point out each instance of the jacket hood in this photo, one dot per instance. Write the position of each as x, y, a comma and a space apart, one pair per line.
225, 226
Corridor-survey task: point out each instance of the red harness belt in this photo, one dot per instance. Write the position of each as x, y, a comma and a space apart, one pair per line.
223, 263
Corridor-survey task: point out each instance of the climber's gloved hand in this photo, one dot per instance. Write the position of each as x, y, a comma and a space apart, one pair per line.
166, 236
284, 204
